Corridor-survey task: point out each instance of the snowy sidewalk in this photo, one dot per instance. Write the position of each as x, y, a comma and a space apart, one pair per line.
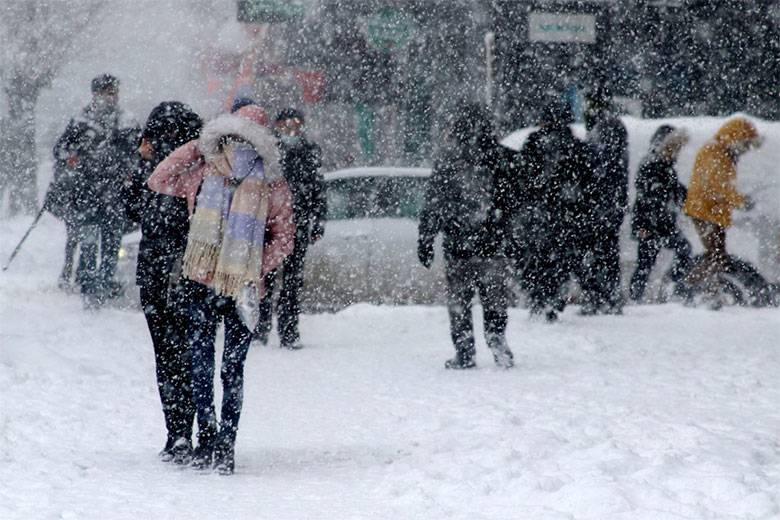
666, 412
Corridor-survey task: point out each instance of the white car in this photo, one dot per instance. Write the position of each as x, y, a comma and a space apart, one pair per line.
369, 250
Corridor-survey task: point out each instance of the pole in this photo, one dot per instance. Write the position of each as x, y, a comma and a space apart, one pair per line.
18, 247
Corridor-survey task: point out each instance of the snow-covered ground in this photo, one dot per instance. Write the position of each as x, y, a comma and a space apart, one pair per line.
664, 413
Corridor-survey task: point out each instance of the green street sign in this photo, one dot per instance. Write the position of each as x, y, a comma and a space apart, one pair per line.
269, 11
388, 29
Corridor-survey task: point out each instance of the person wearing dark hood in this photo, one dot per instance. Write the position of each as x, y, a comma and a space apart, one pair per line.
607, 196
468, 201
300, 162
659, 198
555, 164
98, 155
164, 226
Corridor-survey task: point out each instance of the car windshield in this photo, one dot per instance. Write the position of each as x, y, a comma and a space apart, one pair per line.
375, 197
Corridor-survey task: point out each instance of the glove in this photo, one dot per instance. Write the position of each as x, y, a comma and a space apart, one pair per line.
317, 230
425, 253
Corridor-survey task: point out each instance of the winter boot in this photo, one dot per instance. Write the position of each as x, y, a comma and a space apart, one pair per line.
463, 360
166, 454
501, 353
202, 457
181, 452
224, 458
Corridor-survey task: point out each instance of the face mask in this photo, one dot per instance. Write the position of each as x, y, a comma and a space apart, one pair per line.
291, 140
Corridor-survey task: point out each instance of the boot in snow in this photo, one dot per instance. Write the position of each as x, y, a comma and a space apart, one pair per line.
463, 360
181, 452
166, 454
501, 353
224, 459
202, 457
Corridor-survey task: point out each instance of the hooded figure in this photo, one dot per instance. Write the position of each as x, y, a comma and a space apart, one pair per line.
712, 196
241, 228
468, 200
555, 164
606, 194
659, 197
164, 226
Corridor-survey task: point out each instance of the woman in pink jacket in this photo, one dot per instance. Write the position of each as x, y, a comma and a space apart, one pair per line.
241, 228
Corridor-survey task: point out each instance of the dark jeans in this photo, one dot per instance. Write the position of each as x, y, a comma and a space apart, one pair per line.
105, 238
206, 310
289, 307
648, 253
165, 311
465, 279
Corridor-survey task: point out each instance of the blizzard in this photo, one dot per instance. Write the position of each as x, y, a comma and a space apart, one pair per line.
667, 412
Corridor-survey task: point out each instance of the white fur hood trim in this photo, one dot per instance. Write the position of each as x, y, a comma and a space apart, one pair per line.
259, 137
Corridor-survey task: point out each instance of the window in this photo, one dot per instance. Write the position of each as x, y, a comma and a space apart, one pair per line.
375, 197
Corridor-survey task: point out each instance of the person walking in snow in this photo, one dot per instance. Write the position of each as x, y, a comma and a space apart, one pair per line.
300, 162
659, 197
468, 201
607, 198
241, 228
164, 227
96, 156
713, 196
554, 165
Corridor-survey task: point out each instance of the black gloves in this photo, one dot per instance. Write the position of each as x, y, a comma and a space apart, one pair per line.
425, 253
317, 230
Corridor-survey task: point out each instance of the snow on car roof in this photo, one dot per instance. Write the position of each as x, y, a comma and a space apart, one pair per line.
378, 171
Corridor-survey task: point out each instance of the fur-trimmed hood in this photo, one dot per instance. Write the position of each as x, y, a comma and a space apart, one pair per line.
259, 137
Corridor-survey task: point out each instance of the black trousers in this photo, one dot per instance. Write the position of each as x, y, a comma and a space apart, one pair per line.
599, 272
289, 306
486, 277
545, 274
647, 254
166, 316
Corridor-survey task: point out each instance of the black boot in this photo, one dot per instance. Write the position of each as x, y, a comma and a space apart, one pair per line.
224, 458
463, 360
166, 454
181, 452
203, 455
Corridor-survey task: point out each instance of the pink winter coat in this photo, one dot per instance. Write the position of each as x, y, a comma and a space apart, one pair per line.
182, 172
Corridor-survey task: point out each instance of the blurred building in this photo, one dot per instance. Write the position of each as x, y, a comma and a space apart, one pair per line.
380, 78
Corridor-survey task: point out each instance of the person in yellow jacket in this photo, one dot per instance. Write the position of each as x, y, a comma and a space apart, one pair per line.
712, 195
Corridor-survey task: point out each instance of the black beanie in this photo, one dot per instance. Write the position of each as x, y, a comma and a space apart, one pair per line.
104, 82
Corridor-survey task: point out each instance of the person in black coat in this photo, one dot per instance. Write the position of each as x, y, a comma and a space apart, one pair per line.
555, 166
607, 197
95, 154
659, 197
468, 200
164, 227
300, 162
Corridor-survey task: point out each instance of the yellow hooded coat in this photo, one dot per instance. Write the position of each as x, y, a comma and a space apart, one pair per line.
712, 194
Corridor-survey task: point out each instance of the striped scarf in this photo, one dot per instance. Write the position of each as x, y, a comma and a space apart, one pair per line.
227, 231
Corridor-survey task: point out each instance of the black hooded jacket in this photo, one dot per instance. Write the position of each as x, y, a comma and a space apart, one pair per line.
556, 166
301, 168
470, 194
659, 195
607, 192
164, 219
